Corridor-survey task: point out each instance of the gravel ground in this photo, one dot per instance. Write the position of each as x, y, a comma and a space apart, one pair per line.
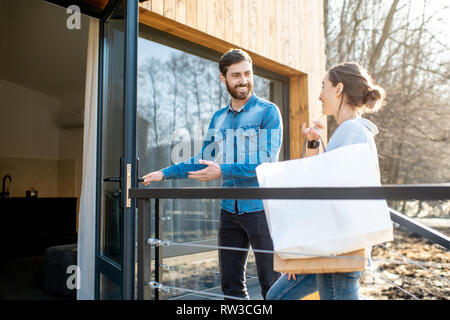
423, 284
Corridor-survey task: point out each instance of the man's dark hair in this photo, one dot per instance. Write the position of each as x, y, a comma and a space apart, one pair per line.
231, 57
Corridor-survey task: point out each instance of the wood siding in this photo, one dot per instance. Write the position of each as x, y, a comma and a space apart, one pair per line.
284, 36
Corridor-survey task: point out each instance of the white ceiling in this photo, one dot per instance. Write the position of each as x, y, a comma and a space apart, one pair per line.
38, 51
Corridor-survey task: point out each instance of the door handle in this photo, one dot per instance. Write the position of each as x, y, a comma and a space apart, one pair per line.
139, 180
125, 171
119, 180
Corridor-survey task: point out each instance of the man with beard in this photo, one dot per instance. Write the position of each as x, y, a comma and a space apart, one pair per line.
242, 135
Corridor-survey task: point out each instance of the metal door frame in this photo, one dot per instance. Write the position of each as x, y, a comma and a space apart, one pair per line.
123, 275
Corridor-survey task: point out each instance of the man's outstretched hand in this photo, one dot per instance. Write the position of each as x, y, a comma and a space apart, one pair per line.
211, 172
152, 176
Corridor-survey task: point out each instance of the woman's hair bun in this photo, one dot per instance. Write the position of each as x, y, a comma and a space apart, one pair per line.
359, 88
374, 99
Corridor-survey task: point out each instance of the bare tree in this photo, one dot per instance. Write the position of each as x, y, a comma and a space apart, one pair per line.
402, 44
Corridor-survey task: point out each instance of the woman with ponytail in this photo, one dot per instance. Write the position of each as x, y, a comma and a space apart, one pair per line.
348, 92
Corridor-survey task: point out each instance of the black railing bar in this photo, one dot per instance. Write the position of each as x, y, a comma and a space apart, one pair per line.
415, 263
158, 286
420, 229
392, 284
169, 218
392, 192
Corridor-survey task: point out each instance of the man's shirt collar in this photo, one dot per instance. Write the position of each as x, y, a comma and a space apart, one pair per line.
245, 107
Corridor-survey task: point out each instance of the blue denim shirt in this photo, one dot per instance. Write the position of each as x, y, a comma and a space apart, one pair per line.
239, 142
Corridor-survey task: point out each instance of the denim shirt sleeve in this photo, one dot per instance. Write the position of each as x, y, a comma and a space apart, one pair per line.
181, 170
273, 124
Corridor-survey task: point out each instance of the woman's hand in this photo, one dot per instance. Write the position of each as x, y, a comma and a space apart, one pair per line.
312, 133
291, 275
152, 176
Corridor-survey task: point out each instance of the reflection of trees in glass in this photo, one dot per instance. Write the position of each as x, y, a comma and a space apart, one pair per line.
174, 93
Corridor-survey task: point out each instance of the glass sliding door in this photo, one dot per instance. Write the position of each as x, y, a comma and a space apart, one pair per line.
116, 153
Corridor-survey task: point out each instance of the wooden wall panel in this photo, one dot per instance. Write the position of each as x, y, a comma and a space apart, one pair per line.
220, 18
147, 5
266, 28
210, 17
285, 36
236, 13
228, 21
215, 18
292, 45
259, 26
244, 24
284, 25
169, 9
251, 29
191, 13
279, 32
202, 15
273, 28
157, 6
180, 11
297, 33
298, 110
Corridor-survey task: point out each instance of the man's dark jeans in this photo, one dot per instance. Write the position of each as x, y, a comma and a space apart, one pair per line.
241, 231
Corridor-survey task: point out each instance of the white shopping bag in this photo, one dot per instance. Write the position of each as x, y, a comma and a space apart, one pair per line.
325, 227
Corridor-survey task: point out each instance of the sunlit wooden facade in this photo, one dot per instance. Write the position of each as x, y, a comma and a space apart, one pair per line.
283, 36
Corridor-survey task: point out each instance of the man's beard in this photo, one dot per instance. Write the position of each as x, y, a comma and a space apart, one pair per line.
238, 95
